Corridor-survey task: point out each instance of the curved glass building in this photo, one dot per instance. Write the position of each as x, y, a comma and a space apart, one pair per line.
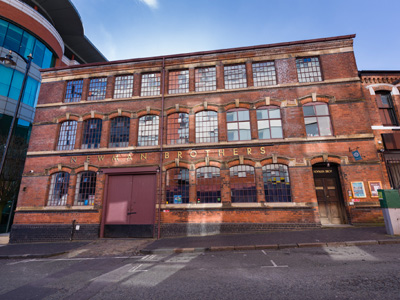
52, 32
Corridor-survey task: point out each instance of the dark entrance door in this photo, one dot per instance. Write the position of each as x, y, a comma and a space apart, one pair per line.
330, 201
130, 205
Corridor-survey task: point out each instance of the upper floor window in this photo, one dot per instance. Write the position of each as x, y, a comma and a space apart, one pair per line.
208, 185
238, 124
269, 122
119, 132
150, 84
91, 134
207, 127
386, 108
177, 186
58, 189
74, 91
308, 69
85, 188
67, 137
178, 82
235, 76
97, 88
243, 184
178, 129
205, 79
317, 119
148, 130
276, 183
264, 73
123, 86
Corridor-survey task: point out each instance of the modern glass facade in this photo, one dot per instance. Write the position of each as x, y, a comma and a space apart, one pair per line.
18, 40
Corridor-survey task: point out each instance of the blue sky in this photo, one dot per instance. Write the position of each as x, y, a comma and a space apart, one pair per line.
123, 29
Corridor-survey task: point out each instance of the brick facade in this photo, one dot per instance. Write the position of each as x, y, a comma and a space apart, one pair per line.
340, 90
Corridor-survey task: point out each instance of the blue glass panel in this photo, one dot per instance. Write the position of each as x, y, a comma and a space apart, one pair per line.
3, 30
16, 85
47, 59
13, 38
28, 41
30, 92
38, 53
5, 80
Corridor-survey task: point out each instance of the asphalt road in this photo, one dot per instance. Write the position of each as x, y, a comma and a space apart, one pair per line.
367, 272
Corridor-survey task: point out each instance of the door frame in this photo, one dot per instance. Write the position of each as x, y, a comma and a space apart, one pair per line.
336, 171
123, 171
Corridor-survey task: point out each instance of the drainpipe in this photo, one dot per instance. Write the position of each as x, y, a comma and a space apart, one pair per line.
161, 149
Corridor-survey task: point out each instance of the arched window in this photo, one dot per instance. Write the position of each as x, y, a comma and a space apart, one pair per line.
148, 130
58, 189
85, 188
207, 127
67, 137
177, 186
91, 134
269, 122
119, 132
317, 119
276, 183
238, 124
208, 185
386, 108
178, 129
243, 184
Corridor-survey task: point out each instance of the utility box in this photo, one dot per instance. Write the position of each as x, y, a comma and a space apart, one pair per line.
390, 204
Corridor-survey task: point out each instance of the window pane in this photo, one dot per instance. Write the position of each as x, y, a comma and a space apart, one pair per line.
16, 85
5, 80
232, 126
264, 73
205, 79
178, 128
244, 115
123, 86
150, 84
148, 130
275, 113
58, 189
3, 30
263, 134
85, 188
207, 127
276, 132
321, 110
231, 116
208, 185
38, 53
13, 38
243, 184
245, 134
276, 183
263, 125
177, 186
74, 91
324, 126
27, 44
233, 135
92, 134
311, 126
178, 82
97, 88
47, 59
308, 110
30, 92
119, 132
235, 76
262, 114
66, 140
308, 69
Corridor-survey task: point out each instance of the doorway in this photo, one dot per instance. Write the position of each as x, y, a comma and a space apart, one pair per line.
130, 205
329, 195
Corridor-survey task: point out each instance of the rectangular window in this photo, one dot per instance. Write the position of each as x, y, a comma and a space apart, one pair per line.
148, 130
205, 79
150, 84
74, 91
123, 86
178, 82
235, 77
308, 69
97, 88
67, 137
386, 109
264, 73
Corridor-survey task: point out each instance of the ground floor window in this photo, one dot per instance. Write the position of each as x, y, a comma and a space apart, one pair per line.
243, 184
276, 183
208, 185
58, 189
85, 188
177, 186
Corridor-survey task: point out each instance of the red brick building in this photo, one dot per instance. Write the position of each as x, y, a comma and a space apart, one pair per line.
253, 138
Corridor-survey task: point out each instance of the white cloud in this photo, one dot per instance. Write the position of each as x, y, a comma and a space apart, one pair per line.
151, 3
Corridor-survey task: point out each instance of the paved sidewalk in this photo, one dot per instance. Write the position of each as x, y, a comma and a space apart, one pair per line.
339, 236
327, 236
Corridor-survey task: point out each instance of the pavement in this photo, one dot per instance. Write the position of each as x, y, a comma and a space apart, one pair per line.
320, 237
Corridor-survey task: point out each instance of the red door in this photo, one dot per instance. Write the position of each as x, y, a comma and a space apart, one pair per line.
130, 205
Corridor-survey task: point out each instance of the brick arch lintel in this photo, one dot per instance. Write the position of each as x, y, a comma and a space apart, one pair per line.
145, 112
278, 160
200, 107
340, 160
66, 117
269, 102
236, 161
315, 98
58, 168
232, 105
176, 109
122, 113
94, 115
81, 168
